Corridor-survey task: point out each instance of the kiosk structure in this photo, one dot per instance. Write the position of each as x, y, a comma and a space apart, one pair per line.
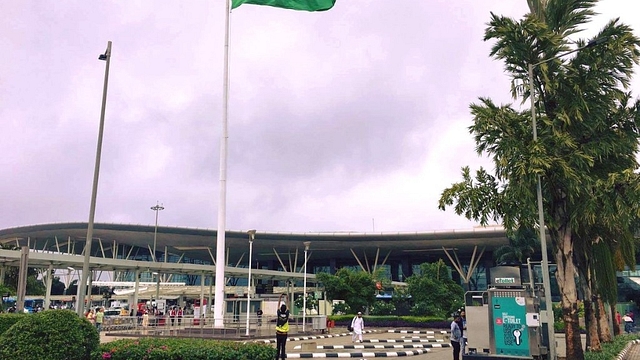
504, 321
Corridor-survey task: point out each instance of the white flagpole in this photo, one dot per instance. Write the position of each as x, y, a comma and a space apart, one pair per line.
218, 310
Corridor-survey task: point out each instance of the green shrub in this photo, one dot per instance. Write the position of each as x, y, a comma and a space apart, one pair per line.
7, 320
391, 321
51, 334
383, 308
175, 349
611, 350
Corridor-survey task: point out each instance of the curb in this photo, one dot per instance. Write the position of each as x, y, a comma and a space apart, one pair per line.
624, 351
300, 338
402, 340
353, 347
428, 332
357, 355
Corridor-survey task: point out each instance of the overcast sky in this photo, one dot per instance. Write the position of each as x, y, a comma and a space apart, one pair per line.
354, 119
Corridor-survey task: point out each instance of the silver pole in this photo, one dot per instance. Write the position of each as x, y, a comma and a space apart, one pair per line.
218, 316
82, 284
546, 281
156, 208
136, 291
304, 287
157, 288
252, 234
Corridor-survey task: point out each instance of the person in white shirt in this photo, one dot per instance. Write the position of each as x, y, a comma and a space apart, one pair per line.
358, 327
628, 323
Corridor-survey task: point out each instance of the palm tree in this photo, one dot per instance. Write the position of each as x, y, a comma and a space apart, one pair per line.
587, 137
522, 245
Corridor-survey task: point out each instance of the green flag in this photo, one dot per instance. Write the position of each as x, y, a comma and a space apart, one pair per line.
306, 5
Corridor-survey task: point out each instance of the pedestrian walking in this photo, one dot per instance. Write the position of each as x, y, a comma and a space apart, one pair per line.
282, 331
456, 336
628, 323
357, 324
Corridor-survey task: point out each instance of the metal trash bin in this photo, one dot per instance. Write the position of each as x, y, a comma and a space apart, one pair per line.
319, 322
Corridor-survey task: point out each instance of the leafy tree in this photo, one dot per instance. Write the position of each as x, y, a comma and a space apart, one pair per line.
588, 137
356, 288
522, 245
312, 302
433, 291
401, 300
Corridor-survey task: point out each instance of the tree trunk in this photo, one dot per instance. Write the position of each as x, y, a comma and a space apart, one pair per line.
616, 326
603, 321
593, 340
566, 282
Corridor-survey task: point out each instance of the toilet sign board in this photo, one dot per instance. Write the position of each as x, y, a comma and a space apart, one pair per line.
510, 331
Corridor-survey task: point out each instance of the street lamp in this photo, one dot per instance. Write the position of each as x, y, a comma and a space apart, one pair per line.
252, 236
546, 281
156, 208
304, 286
94, 192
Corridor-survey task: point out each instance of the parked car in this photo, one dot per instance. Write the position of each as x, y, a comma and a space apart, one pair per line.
111, 313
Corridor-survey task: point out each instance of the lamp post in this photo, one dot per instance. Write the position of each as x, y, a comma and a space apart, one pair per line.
92, 209
252, 236
546, 281
157, 287
304, 286
156, 208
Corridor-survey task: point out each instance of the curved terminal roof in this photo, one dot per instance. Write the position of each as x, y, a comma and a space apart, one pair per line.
201, 243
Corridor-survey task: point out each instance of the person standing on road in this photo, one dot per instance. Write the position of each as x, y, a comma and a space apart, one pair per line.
91, 317
172, 315
456, 336
282, 331
99, 318
357, 324
180, 315
462, 324
259, 314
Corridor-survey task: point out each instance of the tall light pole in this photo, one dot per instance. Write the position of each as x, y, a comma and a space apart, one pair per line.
546, 281
304, 286
218, 307
94, 192
157, 287
252, 236
156, 208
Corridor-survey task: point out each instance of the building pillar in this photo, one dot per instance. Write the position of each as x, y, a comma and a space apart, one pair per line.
407, 270
47, 296
395, 267
332, 266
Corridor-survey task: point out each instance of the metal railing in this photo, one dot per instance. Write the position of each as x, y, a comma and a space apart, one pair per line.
190, 326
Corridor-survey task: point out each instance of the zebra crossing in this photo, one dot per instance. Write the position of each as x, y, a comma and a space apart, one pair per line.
386, 346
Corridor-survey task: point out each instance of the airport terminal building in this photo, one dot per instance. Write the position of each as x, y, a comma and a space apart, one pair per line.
124, 253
